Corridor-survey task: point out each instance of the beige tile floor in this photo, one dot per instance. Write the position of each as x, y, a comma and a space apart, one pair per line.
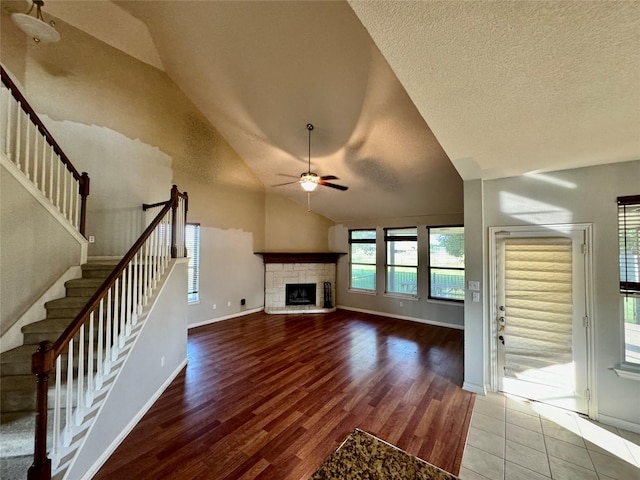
515, 439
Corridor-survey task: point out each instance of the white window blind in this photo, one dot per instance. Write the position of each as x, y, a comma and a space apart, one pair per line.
192, 243
629, 258
629, 236
538, 306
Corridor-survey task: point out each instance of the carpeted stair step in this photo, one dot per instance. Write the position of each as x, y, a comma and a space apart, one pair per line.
67, 307
49, 329
18, 392
82, 287
97, 270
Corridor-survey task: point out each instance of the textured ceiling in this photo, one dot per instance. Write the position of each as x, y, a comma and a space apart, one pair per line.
513, 87
507, 88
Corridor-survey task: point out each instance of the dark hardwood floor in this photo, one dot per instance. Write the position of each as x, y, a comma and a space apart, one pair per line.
270, 396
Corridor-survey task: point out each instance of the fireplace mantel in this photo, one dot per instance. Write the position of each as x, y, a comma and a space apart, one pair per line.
300, 257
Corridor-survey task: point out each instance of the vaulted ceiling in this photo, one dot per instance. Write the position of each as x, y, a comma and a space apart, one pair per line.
507, 88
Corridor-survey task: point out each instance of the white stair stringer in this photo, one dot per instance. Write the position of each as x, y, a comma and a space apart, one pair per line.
153, 354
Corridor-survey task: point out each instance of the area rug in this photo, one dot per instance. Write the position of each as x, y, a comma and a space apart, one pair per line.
363, 456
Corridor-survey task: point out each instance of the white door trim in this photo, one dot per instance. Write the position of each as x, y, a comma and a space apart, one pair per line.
587, 229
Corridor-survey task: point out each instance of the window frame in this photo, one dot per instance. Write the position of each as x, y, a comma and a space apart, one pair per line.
193, 268
628, 222
431, 267
357, 241
400, 238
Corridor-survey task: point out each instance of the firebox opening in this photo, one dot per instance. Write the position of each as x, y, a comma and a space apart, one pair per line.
301, 294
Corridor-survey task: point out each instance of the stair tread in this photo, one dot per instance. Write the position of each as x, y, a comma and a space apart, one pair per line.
48, 325
18, 354
67, 302
84, 282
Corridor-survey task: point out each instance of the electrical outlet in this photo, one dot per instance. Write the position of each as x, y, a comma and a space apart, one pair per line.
215, 306
243, 301
92, 239
162, 361
402, 304
228, 304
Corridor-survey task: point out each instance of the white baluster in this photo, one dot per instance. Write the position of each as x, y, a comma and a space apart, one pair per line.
123, 310
68, 432
27, 147
57, 401
129, 300
88, 399
114, 347
146, 272
43, 182
72, 198
58, 162
51, 164
99, 351
64, 193
80, 389
107, 342
136, 287
18, 134
35, 159
7, 146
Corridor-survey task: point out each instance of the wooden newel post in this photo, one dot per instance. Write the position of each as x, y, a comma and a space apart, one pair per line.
84, 193
41, 365
174, 218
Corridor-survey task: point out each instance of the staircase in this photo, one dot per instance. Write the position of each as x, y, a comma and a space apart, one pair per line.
18, 384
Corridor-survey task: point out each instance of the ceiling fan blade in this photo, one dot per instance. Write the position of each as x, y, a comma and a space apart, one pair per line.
329, 177
333, 185
286, 183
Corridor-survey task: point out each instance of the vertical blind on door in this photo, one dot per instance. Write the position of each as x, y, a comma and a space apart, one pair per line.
538, 310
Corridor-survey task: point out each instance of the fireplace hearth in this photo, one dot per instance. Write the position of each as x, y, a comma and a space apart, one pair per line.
300, 294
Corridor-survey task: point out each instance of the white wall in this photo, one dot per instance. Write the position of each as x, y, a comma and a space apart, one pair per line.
142, 378
585, 195
229, 271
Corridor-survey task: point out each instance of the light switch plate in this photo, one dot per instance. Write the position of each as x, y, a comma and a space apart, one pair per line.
474, 285
475, 297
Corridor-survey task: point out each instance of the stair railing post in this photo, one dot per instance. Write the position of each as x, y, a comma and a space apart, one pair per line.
41, 365
84, 193
184, 222
174, 218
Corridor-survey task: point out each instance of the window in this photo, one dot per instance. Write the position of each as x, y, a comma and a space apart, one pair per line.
192, 242
629, 240
363, 259
402, 260
446, 263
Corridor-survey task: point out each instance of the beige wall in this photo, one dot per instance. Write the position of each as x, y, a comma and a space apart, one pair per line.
290, 227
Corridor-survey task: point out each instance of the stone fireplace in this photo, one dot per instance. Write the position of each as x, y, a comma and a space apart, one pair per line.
299, 282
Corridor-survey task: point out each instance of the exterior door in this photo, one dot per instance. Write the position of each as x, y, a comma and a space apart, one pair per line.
541, 317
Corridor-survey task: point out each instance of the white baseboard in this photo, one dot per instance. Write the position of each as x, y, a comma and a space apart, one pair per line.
402, 317
131, 425
619, 423
226, 317
474, 388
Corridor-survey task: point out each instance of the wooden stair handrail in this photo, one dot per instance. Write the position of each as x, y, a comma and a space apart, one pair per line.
82, 178
43, 360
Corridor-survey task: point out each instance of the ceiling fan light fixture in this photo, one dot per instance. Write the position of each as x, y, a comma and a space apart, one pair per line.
35, 26
309, 181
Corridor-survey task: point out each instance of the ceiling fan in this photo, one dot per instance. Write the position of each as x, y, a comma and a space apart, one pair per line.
310, 180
